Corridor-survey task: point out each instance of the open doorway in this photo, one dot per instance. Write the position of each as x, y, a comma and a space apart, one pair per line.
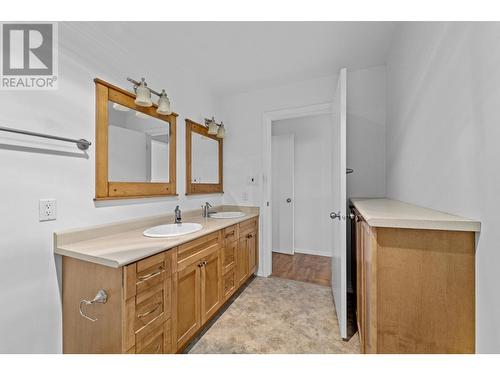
301, 180
266, 263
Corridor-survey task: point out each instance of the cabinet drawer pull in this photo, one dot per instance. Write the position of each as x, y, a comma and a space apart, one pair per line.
151, 275
249, 235
142, 315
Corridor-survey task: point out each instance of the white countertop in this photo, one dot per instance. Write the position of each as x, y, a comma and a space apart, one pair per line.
116, 245
388, 213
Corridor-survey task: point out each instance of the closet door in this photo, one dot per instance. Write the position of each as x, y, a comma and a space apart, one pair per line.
283, 190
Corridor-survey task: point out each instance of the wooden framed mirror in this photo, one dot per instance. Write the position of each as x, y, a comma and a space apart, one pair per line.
135, 147
203, 160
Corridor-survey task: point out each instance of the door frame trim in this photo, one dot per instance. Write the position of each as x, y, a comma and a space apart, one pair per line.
265, 248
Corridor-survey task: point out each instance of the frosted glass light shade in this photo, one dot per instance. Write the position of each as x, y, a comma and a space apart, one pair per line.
221, 133
143, 95
164, 104
212, 127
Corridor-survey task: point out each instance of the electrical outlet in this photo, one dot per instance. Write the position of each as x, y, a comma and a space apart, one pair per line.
244, 196
47, 209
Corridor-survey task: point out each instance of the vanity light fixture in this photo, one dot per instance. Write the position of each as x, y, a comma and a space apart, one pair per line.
143, 97
222, 131
143, 94
214, 128
164, 104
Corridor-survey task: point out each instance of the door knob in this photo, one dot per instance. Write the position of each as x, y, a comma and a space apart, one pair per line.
335, 215
288, 200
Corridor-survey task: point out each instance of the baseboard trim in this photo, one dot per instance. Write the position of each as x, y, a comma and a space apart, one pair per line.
314, 252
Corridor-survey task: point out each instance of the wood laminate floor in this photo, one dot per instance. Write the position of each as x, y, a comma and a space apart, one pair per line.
303, 267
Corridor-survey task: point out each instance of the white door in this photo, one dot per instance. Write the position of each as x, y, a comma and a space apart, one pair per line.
339, 212
282, 156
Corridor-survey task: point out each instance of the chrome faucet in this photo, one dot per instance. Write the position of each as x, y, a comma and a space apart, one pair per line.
177, 212
206, 209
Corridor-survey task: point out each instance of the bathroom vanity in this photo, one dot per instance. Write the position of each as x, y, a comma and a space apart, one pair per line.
160, 292
415, 278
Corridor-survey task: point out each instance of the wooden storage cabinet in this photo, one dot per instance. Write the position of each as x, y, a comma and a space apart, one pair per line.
157, 305
415, 290
137, 312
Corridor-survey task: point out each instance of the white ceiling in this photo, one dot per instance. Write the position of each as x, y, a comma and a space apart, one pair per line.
229, 57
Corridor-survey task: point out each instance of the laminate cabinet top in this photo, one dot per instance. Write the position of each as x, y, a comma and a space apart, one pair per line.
388, 213
116, 245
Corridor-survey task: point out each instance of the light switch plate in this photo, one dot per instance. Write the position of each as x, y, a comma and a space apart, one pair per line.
47, 209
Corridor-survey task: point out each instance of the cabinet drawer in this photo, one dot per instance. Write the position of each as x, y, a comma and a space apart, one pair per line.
154, 345
229, 283
152, 304
230, 234
153, 270
247, 227
147, 273
148, 308
155, 339
229, 255
193, 251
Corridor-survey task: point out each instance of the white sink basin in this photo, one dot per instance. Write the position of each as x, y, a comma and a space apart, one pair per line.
172, 230
227, 215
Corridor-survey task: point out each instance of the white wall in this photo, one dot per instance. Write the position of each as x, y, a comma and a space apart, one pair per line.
443, 139
30, 317
365, 130
243, 114
366, 111
313, 169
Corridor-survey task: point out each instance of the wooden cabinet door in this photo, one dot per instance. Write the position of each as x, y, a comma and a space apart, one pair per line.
187, 303
211, 293
369, 289
359, 284
252, 252
242, 260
